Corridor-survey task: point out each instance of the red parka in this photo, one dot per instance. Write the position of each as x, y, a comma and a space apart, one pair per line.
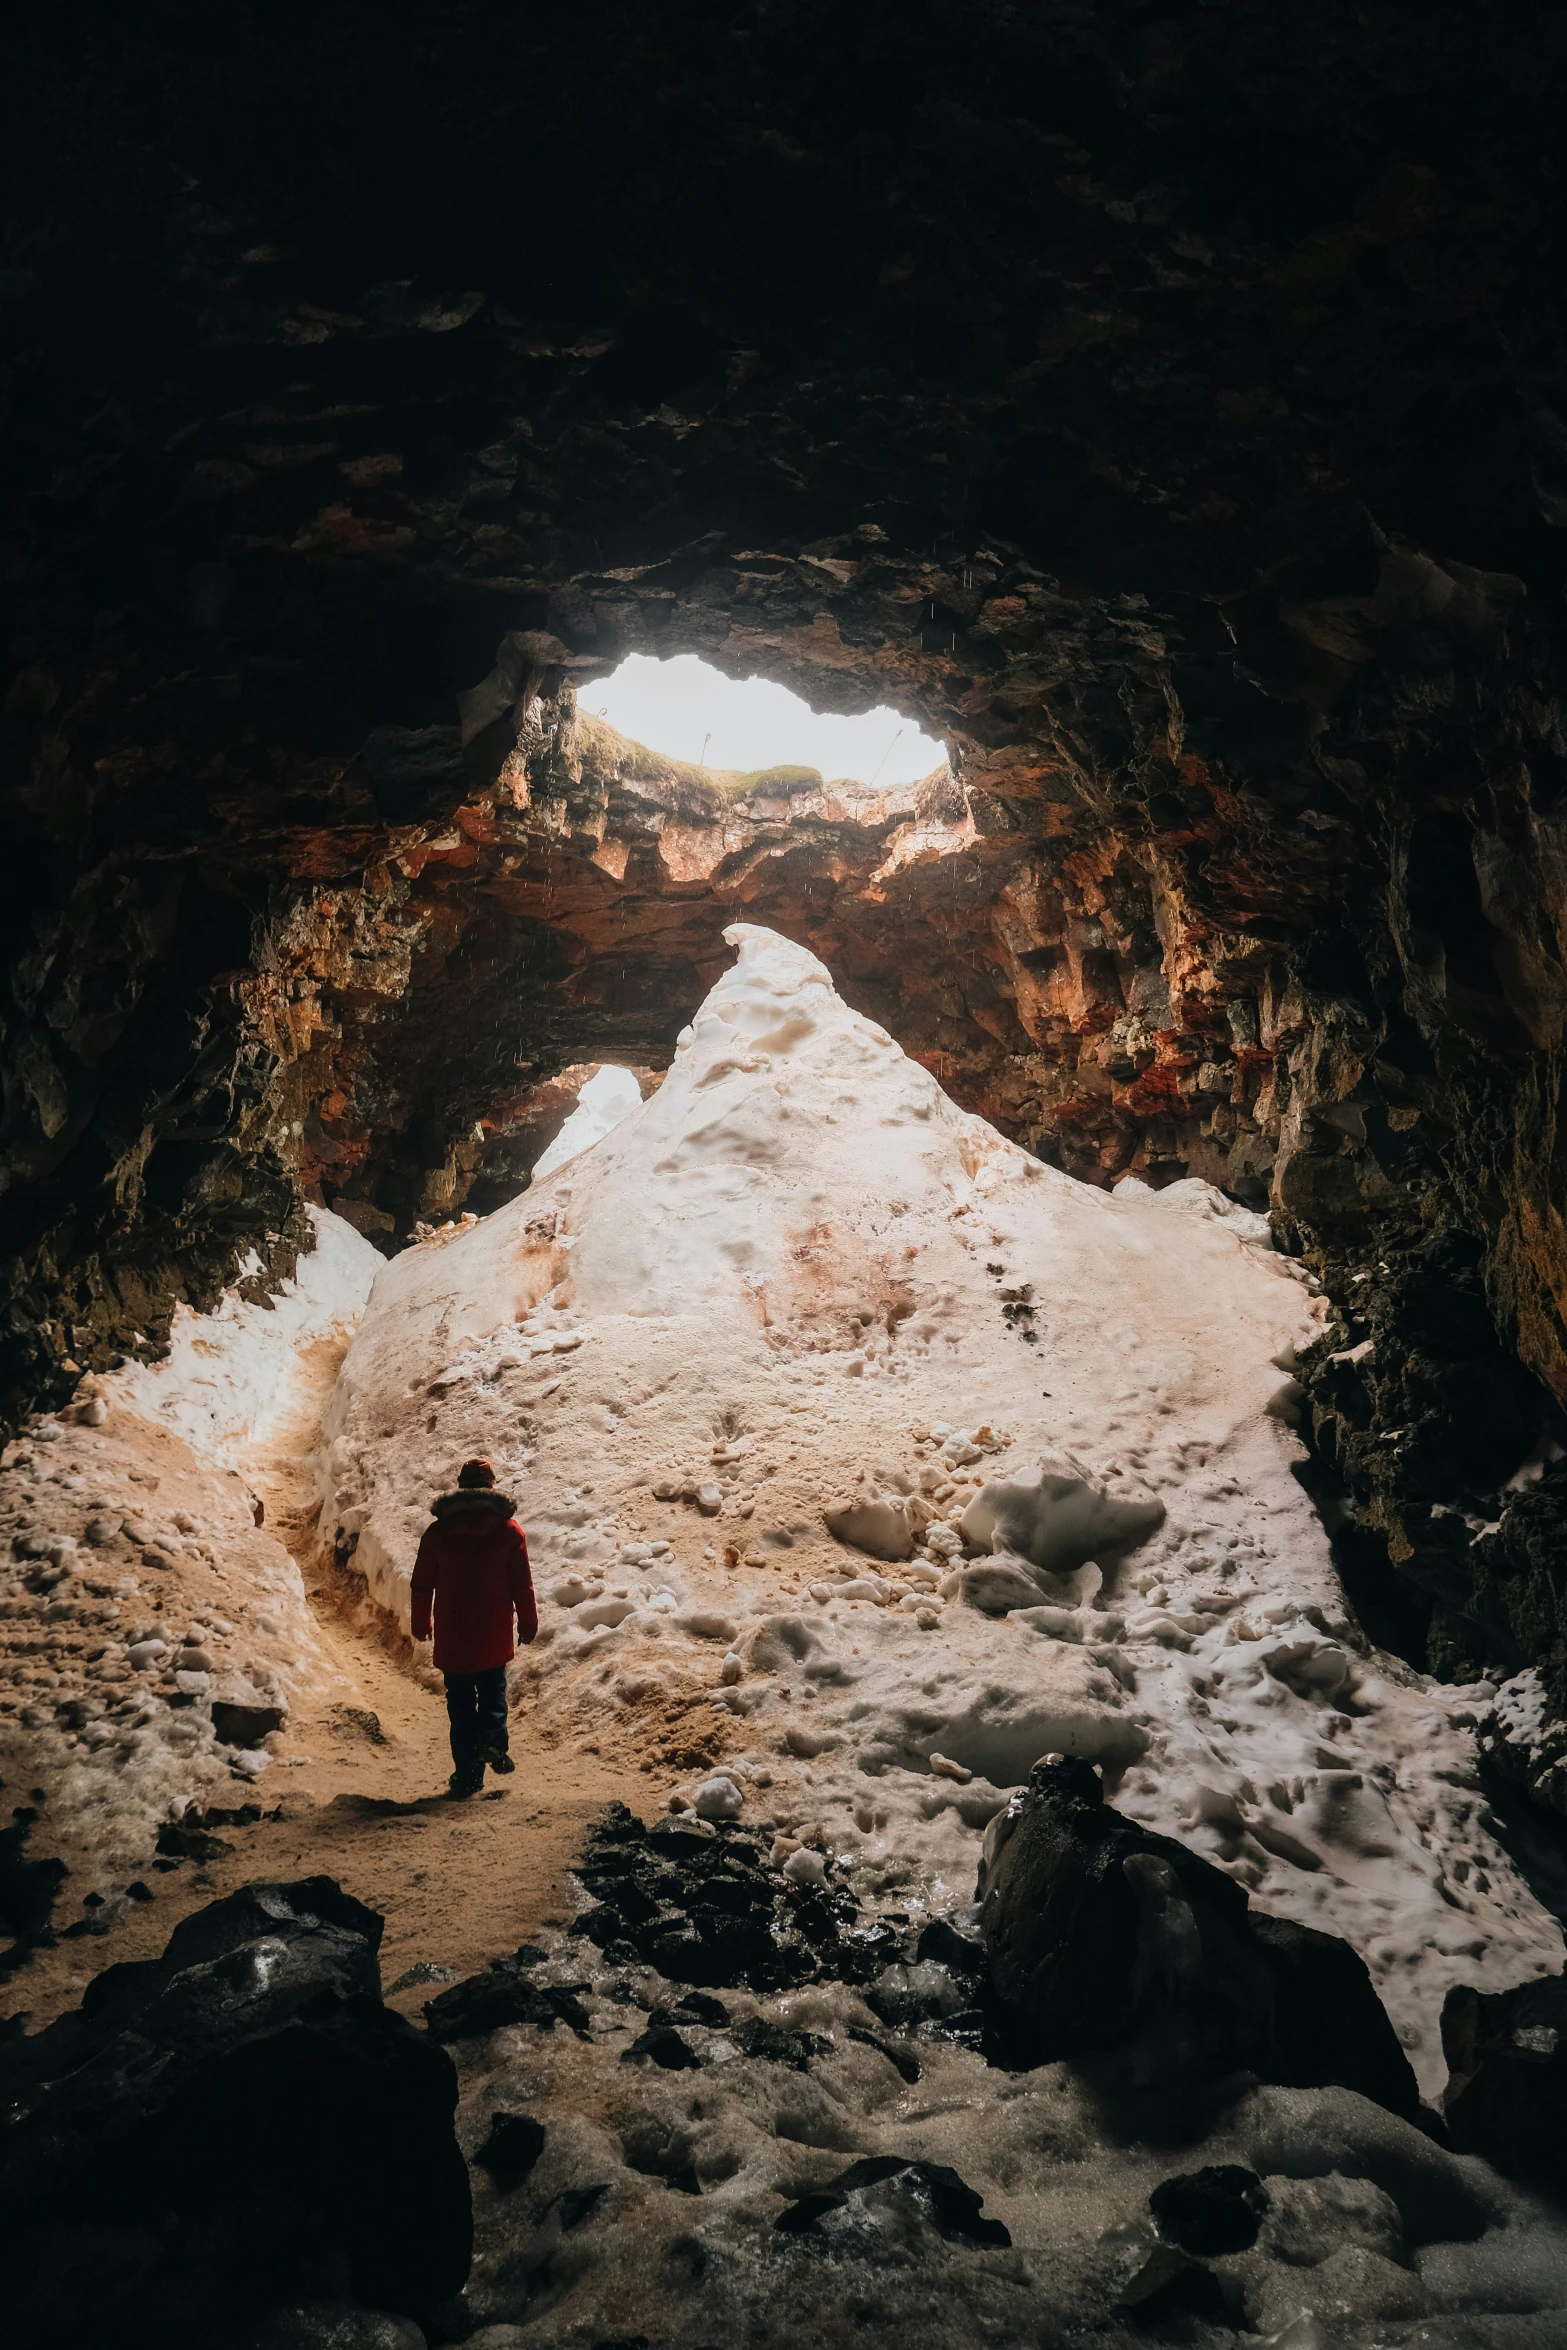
473, 1564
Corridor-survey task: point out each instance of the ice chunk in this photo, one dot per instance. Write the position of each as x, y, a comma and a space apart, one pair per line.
1057, 1519
717, 1798
884, 1527
707, 1624
605, 1611
995, 1586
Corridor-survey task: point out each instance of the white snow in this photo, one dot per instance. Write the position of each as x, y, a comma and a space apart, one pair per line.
609, 1095
231, 1377
143, 1496
802, 1290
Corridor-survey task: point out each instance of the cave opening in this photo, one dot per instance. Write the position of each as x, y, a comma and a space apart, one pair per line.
1152, 435
749, 734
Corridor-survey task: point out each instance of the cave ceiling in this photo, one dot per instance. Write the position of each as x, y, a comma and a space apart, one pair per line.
1164, 408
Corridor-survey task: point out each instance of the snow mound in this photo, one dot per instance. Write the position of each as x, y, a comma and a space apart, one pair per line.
964, 1461
141, 1592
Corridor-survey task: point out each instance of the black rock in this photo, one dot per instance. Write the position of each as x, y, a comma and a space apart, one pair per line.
662, 2045
1506, 2094
504, 1994
176, 1841
776, 2044
696, 1902
695, 2007
1096, 1928
512, 2148
801, 2217
1330, 2030
897, 2052
1168, 2284
961, 1950
1099, 1934
940, 2195
247, 2116
1220, 2208
865, 1950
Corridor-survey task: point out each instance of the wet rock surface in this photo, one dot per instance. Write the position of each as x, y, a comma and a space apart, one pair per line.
235, 2125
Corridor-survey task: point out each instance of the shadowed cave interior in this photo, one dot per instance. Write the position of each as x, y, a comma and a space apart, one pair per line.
1160, 415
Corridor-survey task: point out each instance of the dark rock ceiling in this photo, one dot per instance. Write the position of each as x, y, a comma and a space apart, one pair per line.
1165, 406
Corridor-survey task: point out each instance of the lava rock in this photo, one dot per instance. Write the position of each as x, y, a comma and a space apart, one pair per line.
244, 2116
662, 2045
695, 2007
1217, 2209
897, 2052
1097, 1929
504, 1994
1330, 2030
512, 2148
177, 1841
776, 2044
1506, 2094
937, 2194
697, 1901
1099, 1933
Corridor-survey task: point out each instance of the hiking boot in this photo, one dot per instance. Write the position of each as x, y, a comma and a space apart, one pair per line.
466, 1782
500, 1762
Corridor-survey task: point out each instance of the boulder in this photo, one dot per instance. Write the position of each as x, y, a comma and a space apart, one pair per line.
1097, 1930
1100, 1934
1217, 2209
1506, 2095
239, 2120
1330, 2030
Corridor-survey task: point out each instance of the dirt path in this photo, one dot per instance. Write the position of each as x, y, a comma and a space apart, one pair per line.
360, 1781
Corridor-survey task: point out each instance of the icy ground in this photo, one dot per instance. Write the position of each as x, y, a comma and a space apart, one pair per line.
798, 1290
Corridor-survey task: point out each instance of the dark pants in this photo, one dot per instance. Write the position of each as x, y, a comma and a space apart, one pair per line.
476, 1708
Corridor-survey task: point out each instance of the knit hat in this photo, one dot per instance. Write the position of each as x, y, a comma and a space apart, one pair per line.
476, 1473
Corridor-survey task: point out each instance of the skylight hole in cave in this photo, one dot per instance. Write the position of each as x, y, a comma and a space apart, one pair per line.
741, 728
608, 1096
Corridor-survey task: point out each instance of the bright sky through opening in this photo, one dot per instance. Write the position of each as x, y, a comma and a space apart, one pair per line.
689, 711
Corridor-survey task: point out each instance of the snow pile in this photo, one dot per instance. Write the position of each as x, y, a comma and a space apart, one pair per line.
140, 1589
609, 1095
866, 1458
233, 1377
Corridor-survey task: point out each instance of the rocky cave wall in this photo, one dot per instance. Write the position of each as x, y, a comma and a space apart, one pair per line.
1163, 408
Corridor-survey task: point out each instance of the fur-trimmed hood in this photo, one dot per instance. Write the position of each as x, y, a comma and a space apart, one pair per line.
473, 1501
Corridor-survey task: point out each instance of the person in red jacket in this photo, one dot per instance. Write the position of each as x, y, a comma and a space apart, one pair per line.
473, 1567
